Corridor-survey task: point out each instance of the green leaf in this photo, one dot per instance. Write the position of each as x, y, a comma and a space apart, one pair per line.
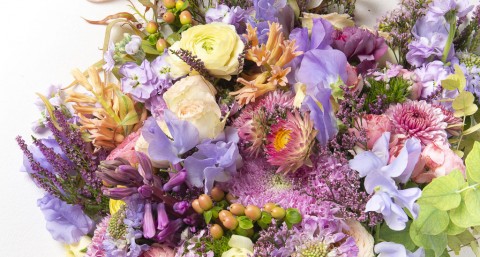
457, 242
292, 217
463, 218
453, 229
464, 104
431, 221
149, 49
437, 243
472, 162
265, 220
207, 216
472, 201
130, 119
215, 211
244, 222
442, 192
399, 237
455, 81
471, 130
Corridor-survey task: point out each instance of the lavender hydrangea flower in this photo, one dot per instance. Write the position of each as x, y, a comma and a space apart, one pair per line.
65, 222
235, 16
138, 80
441, 7
161, 148
428, 78
215, 160
133, 46
389, 249
430, 40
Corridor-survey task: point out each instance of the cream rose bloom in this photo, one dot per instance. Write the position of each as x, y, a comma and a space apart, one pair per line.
338, 21
216, 44
363, 239
193, 99
76, 250
241, 247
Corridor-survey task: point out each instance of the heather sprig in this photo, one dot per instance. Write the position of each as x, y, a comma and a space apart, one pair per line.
193, 61
73, 179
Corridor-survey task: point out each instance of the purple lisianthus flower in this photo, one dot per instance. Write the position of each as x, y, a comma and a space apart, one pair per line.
161, 148
216, 160
139, 81
108, 58
428, 79
235, 16
360, 46
389, 249
322, 66
133, 46
430, 40
322, 117
439, 8
65, 222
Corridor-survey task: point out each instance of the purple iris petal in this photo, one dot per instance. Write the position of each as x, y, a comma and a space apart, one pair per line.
65, 222
322, 66
322, 117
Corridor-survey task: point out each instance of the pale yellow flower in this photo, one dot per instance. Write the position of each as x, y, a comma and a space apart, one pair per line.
241, 247
216, 44
338, 21
115, 205
363, 239
78, 249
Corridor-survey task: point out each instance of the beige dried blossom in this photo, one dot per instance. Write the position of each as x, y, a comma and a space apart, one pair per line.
105, 112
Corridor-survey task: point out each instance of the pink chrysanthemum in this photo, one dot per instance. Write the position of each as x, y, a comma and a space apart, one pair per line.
95, 249
418, 119
290, 142
454, 124
253, 125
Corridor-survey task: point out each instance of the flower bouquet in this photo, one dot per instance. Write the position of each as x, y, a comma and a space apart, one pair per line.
267, 128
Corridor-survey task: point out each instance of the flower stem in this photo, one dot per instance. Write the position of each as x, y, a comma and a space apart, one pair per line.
452, 20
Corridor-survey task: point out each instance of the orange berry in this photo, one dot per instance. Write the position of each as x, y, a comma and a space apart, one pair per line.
185, 17
169, 4
169, 17
278, 213
216, 231
269, 206
196, 206
205, 202
152, 27
230, 223
253, 212
161, 45
217, 194
223, 214
237, 209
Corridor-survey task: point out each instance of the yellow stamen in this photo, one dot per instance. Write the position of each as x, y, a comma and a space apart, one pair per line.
281, 139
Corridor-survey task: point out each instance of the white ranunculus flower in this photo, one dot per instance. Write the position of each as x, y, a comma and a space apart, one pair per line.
193, 99
241, 247
363, 239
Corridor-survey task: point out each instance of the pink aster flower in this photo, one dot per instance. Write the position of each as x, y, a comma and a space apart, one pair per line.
290, 142
418, 119
252, 124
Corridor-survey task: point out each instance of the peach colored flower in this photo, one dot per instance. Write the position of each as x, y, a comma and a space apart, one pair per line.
436, 160
375, 126
126, 149
158, 250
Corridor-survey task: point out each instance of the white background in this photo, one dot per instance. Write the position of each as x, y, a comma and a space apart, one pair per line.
42, 41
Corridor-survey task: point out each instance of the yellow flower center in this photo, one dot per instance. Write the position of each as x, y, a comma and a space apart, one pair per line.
281, 139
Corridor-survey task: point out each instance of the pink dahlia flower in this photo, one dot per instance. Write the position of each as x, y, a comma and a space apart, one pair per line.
418, 119
252, 124
290, 142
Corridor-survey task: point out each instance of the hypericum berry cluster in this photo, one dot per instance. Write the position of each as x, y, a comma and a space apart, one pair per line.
227, 216
176, 12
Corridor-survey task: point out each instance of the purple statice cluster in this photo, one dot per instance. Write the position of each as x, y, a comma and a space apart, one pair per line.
271, 240
147, 80
56, 164
332, 180
399, 24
